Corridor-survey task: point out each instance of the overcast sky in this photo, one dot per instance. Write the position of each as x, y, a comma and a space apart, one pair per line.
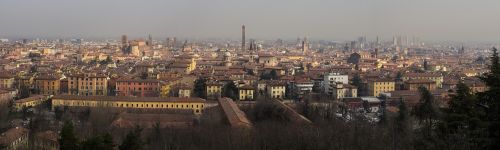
474, 20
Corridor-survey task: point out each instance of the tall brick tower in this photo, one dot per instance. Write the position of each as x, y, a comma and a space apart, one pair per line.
243, 37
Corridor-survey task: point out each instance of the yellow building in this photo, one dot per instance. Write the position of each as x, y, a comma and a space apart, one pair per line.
184, 63
166, 88
246, 93
6, 81
194, 104
470, 73
214, 90
167, 75
428, 76
276, 89
29, 102
268, 60
296, 57
47, 84
91, 84
135, 50
377, 86
414, 84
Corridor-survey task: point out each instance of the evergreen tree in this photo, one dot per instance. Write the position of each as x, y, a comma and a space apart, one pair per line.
383, 119
426, 111
68, 140
489, 99
426, 65
265, 76
356, 81
92, 143
402, 119
101, 142
107, 141
462, 121
230, 90
399, 76
354, 58
402, 131
463, 112
24, 92
200, 86
133, 140
274, 75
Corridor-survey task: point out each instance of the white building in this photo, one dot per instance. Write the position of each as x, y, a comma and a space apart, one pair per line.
373, 103
330, 80
303, 87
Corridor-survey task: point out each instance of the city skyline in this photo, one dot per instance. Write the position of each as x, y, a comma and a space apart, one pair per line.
329, 20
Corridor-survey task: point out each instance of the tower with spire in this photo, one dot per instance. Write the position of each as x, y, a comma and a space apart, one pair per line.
462, 50
305, 45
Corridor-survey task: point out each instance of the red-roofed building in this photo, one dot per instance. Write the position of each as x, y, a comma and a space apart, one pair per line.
138, 87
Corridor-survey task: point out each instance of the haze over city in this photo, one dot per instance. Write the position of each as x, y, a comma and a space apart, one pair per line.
249, 75
444, 20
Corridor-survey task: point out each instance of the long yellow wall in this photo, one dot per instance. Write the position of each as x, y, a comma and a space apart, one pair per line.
197, 107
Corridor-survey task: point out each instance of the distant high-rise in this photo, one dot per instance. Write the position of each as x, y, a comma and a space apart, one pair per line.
243, 37
125, 45
124, 40
150, 40
171, 41
305, 45
362, 42
353, 46
174, 42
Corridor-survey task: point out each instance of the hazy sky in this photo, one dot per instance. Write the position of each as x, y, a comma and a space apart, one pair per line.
476, 20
